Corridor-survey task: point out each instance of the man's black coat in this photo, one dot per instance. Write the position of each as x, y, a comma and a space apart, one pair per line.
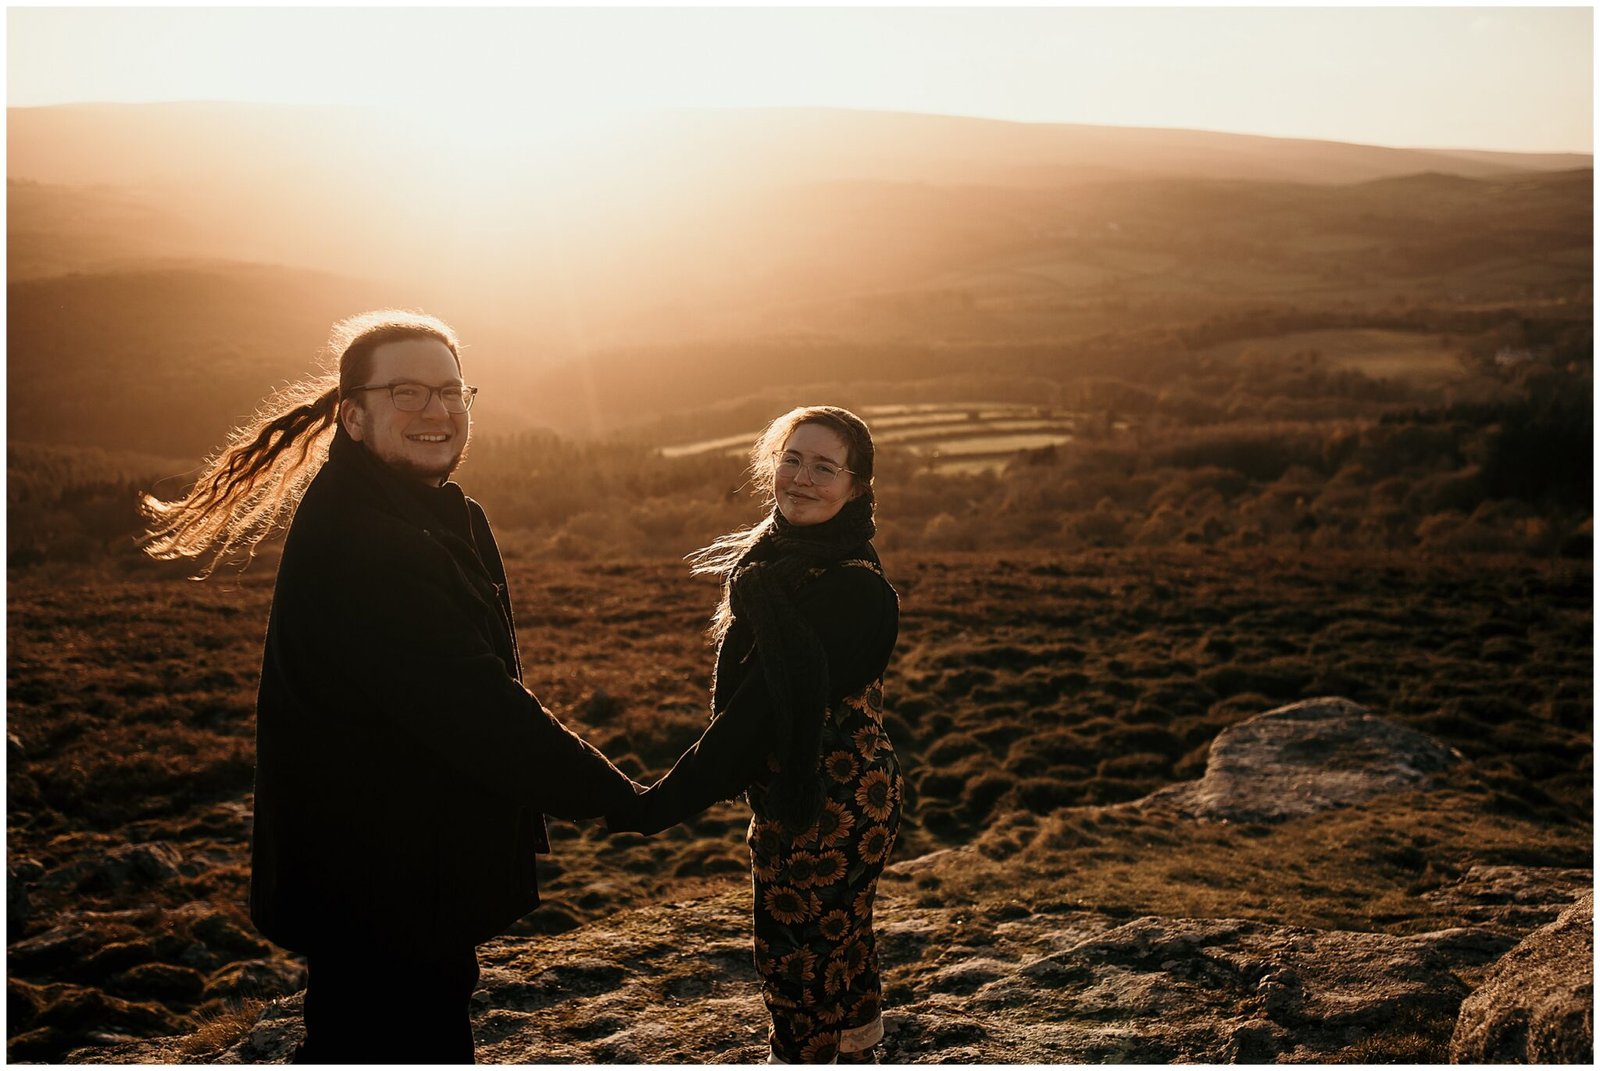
403, 771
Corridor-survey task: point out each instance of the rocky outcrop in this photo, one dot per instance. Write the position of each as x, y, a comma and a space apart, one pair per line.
1537, 1004
1303, 758
1006, 982
125, 974
1158, 990
130, 863
985, 984
1514, 899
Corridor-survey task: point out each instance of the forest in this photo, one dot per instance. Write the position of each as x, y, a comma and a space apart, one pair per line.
1299, 449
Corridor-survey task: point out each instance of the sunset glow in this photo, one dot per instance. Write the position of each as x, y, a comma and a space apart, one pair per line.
1474, 77
1214, 389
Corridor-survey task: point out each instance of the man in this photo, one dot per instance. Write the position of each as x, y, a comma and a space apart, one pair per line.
403, 771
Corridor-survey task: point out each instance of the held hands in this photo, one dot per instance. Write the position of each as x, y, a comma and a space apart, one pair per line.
631, 817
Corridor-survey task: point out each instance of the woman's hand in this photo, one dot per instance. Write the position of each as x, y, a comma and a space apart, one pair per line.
631, 818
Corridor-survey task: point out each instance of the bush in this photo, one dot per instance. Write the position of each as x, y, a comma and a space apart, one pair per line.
939, 785
1041, 795
1135, 766
983, 792
1454, 491
1106, 790
1104, 526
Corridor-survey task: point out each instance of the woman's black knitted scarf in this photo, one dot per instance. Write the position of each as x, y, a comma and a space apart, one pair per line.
761, 594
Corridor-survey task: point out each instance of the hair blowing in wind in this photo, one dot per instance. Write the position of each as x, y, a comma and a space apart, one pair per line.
722, 556
252, 486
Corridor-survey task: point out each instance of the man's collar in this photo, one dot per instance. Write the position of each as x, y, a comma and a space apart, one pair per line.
365, 468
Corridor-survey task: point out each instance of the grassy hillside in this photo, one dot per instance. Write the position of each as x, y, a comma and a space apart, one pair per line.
161, 360
1174, 428
1318, 440
927, 302
53, 230
692, 266
166, 359
889, 264
859, 226
1023, 684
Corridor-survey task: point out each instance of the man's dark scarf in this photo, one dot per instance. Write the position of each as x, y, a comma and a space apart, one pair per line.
761, 594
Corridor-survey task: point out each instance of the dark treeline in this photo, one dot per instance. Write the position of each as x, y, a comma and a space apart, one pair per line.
1286, 452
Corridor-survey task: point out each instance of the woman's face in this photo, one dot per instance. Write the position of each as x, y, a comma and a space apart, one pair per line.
800, 483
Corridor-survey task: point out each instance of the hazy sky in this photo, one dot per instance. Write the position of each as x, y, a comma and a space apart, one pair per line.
1512, 78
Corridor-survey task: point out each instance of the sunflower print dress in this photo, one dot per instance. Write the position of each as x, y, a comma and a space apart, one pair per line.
814, 945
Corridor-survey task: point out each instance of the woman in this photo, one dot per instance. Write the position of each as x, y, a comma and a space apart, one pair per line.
804, 631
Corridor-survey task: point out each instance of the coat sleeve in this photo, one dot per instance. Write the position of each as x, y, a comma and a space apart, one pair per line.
855, 617
400, 637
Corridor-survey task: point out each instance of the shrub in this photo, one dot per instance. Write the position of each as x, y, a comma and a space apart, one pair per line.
1054, 746
948, 750
1461, 491
1185, 484
1104, 526
982, 793
1134, 766
1041, 795
1106, 790
941, 785
945, 532
1161, 528
1149, 738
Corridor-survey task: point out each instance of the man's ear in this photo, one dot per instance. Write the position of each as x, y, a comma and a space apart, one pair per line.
353, 417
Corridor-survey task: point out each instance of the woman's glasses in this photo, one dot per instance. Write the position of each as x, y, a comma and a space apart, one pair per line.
822, 473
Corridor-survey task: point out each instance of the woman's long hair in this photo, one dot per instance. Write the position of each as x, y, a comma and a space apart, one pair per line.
722, 555
253, 485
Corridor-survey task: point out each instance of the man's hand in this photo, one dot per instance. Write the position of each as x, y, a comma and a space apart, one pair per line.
631, 818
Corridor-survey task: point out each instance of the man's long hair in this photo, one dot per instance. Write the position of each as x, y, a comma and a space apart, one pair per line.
253, 485
722, 556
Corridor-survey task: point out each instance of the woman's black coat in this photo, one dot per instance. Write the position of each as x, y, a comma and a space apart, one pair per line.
403, 771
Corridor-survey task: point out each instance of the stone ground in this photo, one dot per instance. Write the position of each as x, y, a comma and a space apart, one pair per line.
674, 984
998, 981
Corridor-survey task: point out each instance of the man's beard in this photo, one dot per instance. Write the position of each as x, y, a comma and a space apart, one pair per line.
434, 474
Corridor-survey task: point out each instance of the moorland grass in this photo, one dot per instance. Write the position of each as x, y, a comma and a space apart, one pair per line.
1025, 682
1029, 693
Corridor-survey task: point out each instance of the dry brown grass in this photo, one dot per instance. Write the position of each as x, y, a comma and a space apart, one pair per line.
1027, 688
220, 1029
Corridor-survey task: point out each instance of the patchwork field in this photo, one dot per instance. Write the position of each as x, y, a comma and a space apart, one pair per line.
1024, 685
944, 437
1403, 356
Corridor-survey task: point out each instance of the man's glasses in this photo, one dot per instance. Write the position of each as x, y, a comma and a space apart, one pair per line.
822, 473
414, 397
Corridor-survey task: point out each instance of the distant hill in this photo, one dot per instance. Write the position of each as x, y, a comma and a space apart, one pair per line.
835, 144
160, 360
165, 360
145, 143
642, 214
177, 258
52, 230
852, 283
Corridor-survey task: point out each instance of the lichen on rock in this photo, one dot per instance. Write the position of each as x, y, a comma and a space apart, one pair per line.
1536, 1006
1303, 758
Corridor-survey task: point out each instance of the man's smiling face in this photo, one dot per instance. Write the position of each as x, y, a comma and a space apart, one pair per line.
426, 445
